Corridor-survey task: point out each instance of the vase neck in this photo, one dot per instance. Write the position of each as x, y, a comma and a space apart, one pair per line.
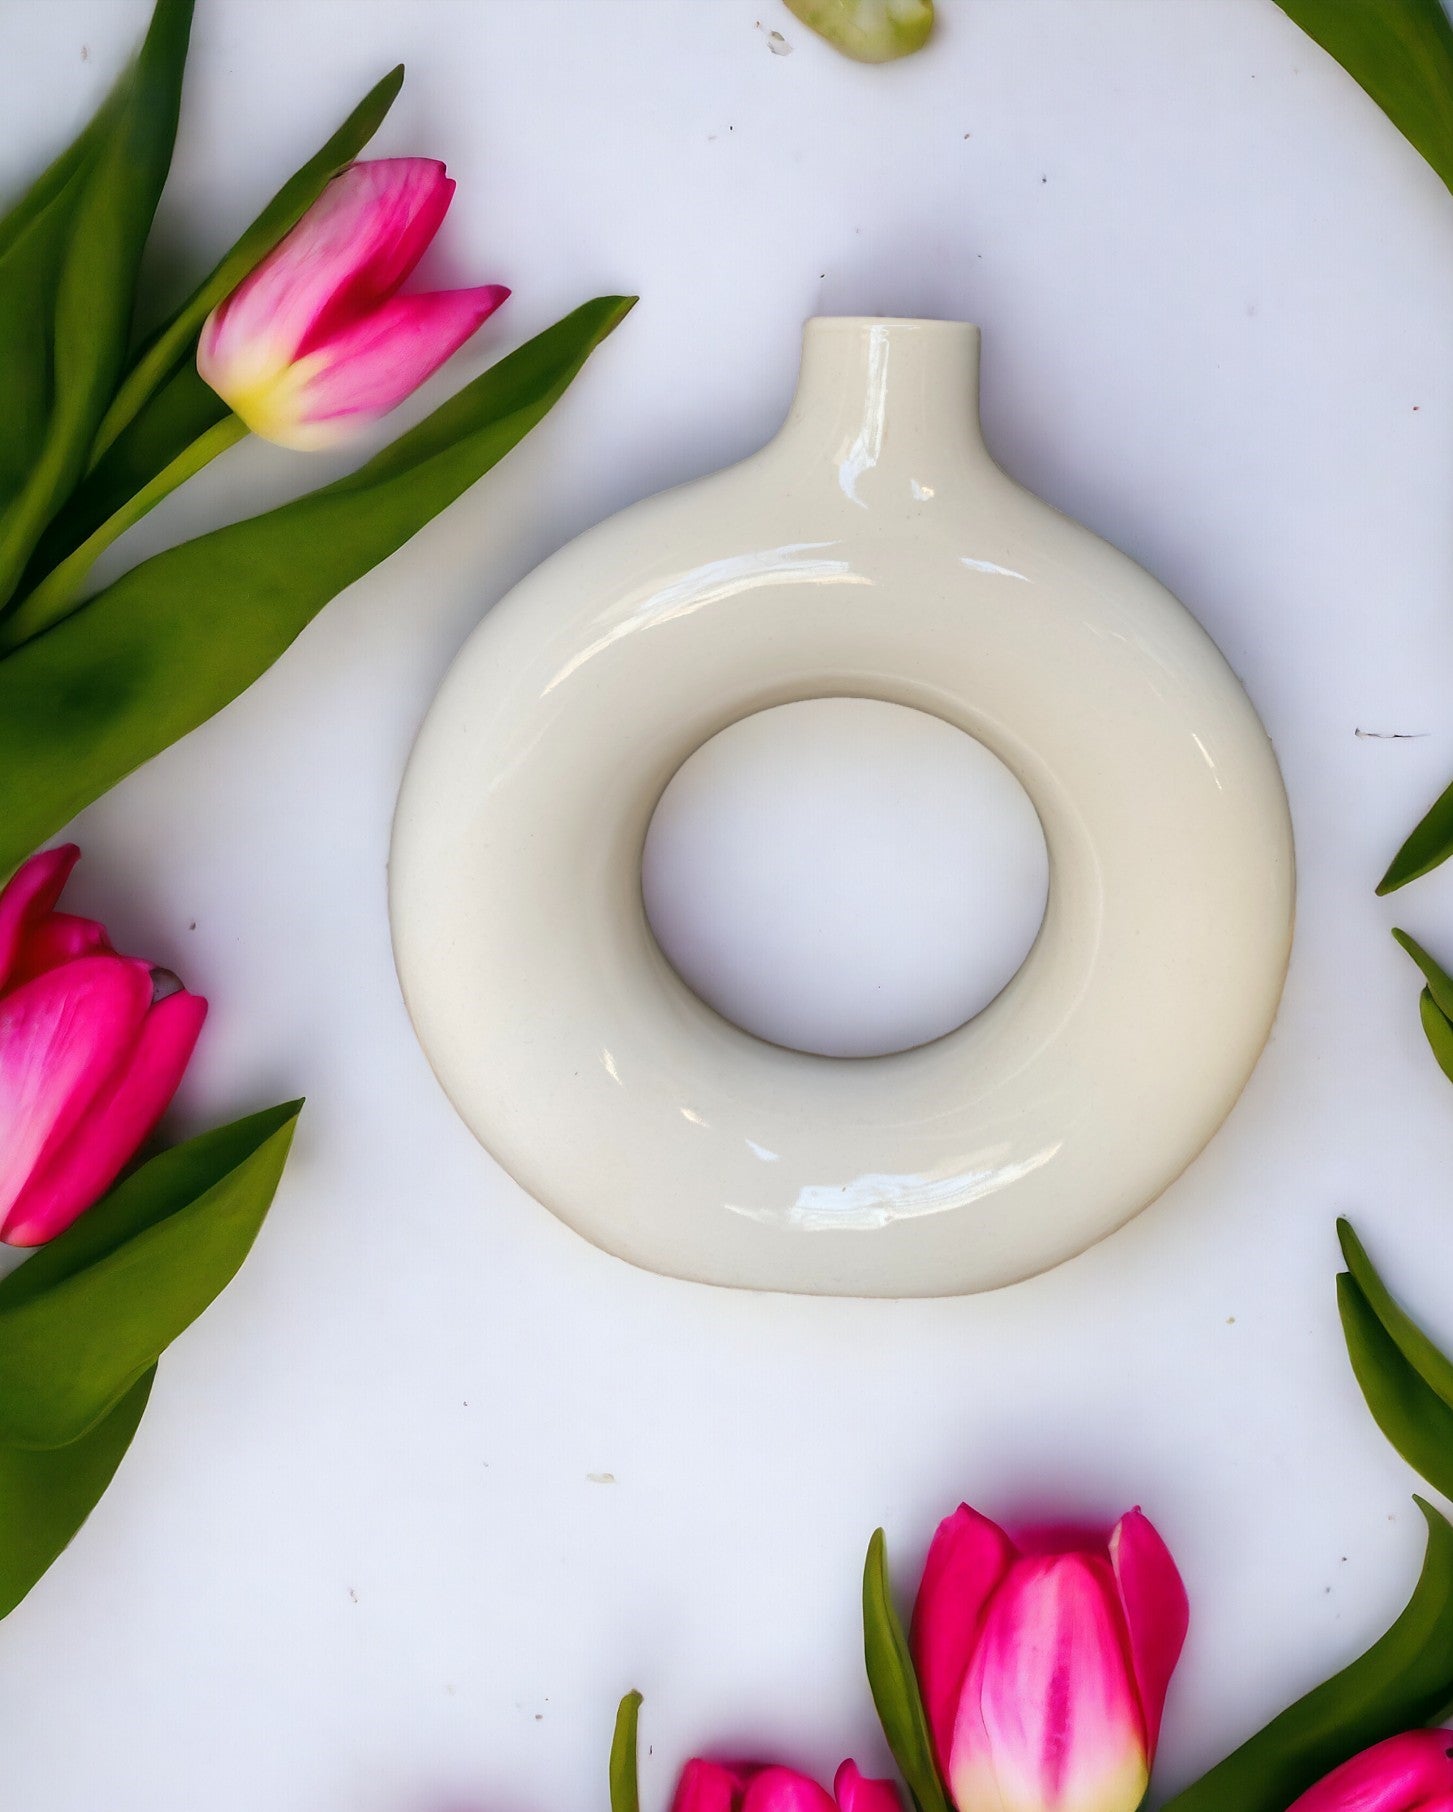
893, 405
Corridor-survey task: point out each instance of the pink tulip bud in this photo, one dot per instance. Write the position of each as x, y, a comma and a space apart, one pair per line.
1044, 1663
1412, 1773
750, 1787
317, 342
92, 1047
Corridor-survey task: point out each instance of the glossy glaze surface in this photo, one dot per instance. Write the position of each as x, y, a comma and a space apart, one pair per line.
872, 549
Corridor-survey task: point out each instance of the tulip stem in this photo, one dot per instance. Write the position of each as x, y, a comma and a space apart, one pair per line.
625, 1793
58, 593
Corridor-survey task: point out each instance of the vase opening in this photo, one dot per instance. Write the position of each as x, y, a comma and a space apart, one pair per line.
844, 876
893, 403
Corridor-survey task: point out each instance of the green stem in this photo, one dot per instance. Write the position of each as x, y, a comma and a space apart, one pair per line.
625, 1792
59, 591
140, 382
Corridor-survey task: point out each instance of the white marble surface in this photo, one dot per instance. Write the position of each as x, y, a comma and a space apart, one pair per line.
435, 1481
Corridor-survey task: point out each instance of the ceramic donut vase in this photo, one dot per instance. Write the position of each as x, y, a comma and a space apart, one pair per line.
872, 550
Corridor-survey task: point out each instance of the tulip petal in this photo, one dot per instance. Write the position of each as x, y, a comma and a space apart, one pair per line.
29, 895
77, 1171
708, 1787
1157, 1612
367, 369
1049, 1720
350, 251
1411, 1773
854, 1792
62, 1038
60, 937
399, 204
967, 1559
784, 1790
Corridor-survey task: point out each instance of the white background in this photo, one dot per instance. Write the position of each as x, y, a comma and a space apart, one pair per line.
359, 1559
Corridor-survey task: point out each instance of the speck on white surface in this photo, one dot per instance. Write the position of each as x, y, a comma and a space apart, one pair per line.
355, 1561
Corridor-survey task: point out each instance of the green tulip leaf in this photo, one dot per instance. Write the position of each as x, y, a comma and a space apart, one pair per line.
94, 1309
175, 639
174, 342
1431, 1364
33, 238
81, 308
625, 1791
57, 180
1435, 1003
1438, 1031
894, 1683
1428, 844
1401, 52
1406, 1379
1440, 983
1412, 1415
868, 31
45, 1497
1404, 1680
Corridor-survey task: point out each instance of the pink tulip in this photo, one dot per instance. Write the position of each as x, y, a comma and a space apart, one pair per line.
749, 1787
317, 341
92, 1047
1412, 1773
1044, 1663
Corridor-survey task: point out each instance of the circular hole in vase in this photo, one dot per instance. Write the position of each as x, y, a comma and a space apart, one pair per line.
845, 877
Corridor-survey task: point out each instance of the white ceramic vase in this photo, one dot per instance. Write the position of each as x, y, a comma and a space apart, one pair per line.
872, 549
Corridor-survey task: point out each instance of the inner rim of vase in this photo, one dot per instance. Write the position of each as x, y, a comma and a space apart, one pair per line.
845, 876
